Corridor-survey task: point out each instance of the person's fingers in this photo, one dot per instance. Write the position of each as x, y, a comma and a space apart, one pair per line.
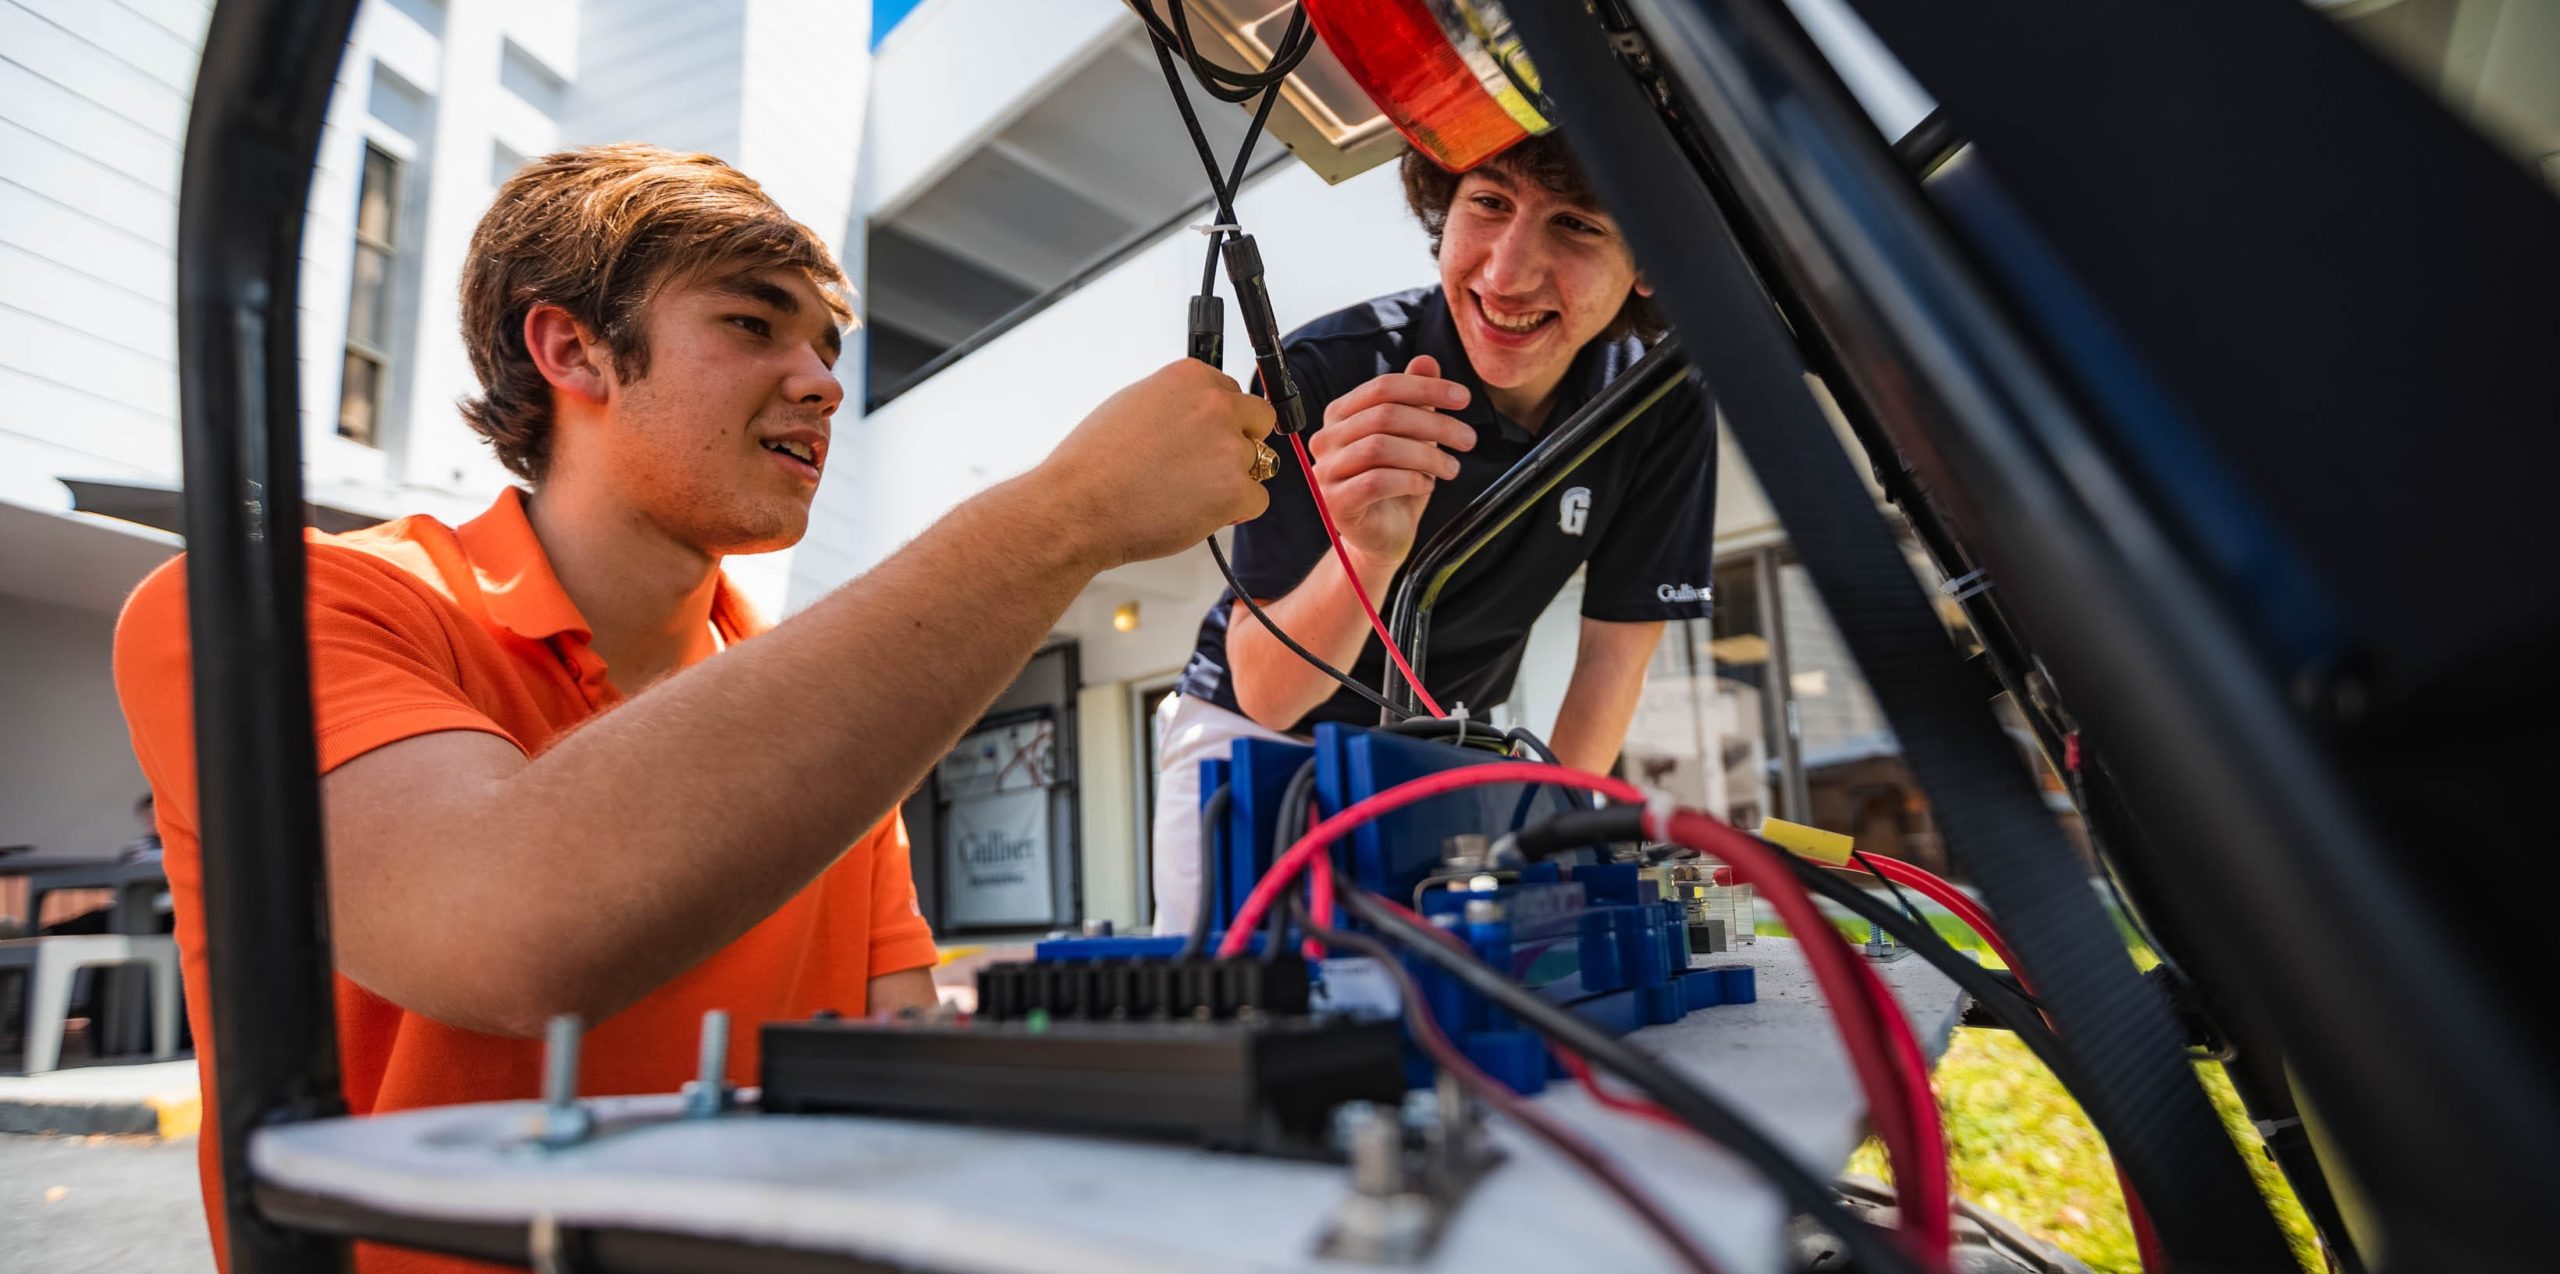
1387, 451
1394, 387
1253, 417
1383, 484
1402, 421
1251, 504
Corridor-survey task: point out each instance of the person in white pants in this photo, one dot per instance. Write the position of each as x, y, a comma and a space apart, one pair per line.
1188, 732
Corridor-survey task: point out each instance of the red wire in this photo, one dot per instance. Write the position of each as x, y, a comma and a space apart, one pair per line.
1319, 907
1286, 868
1493, 1092
1636, 1106
1572, 1061
1937, 889
1307, 467
1882, 1049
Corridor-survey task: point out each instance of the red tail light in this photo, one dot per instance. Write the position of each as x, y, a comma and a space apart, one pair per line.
1447, 73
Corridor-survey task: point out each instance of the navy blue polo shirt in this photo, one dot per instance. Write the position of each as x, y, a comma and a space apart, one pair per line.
1640, 514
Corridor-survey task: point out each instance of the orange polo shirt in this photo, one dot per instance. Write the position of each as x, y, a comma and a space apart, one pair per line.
417, 627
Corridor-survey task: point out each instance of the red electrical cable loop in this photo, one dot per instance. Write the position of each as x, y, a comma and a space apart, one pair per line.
1307, 467
1938, 890
1883, 1052
1285, 869
1882, 1048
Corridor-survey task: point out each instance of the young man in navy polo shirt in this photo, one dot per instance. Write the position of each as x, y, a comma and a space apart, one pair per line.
1426, 398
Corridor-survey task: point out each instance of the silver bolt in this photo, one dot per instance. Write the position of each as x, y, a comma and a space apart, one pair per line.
1457, 1113
1465, 850
1097, 928
1377, 1151
1385, 1221
1484, 884
563, 1121
708, 1094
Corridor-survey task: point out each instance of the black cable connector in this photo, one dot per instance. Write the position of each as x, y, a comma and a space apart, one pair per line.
1580, 829
1208, 341
1253, 299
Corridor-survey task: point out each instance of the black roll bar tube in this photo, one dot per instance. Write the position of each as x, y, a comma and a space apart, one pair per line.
2133, 1071
1563, 450
253, 134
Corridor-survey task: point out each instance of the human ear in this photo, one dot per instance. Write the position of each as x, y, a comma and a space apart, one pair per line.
569, 356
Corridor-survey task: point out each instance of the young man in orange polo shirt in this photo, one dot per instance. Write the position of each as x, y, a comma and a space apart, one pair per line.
543, 793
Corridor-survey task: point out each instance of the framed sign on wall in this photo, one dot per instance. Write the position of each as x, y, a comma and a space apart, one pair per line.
997, 849
996, 786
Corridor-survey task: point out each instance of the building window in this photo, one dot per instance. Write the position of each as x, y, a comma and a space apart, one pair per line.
369, 303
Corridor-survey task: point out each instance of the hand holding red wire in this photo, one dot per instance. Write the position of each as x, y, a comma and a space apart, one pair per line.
1384, 443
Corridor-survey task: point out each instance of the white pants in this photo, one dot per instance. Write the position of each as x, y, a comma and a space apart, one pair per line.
1188, 731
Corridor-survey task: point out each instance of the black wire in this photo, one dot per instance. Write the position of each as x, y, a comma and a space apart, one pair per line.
1224, 82
1209, 266
2009, 1004
1222, 195
1873, 1250
1213, 823
1313, 661
1520, 734
1295, 813
1418, 1023
1297, 806
1218, 193
1252, 134
1898, 896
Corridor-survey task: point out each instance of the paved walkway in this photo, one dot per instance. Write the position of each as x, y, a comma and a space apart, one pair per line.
82, 1205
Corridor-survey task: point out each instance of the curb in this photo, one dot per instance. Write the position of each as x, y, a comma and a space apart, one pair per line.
167, 1116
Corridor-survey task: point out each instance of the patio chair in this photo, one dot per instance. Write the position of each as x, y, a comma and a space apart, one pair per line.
50, 962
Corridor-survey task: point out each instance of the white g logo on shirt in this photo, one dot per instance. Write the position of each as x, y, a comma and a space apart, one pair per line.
1573, 512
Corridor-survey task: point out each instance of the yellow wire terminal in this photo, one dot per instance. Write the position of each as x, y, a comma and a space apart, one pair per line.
1808, 842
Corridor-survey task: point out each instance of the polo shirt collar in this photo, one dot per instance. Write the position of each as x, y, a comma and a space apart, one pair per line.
524, 597
516, 583
1436, 334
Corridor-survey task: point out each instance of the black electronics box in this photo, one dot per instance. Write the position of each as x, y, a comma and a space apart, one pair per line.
1261, 1084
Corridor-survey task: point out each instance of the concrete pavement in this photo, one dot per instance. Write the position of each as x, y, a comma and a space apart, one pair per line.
100, 1205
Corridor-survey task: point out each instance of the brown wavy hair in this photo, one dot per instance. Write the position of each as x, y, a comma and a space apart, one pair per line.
1430, 188
598, 231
